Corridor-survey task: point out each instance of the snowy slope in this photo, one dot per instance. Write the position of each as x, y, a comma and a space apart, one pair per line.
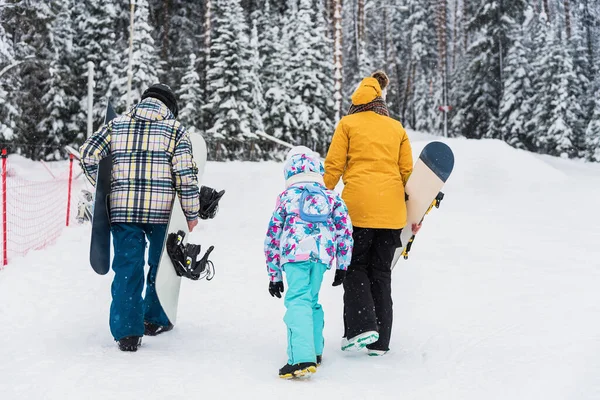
499, 300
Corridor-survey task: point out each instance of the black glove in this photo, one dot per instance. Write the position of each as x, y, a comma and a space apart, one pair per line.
340, 275
209, 202
276, 288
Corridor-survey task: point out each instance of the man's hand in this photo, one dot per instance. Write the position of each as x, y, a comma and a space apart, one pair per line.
192, 224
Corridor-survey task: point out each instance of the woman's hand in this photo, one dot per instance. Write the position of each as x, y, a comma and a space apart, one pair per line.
416, 227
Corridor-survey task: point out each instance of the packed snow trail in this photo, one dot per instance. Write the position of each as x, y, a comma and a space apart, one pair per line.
499, 299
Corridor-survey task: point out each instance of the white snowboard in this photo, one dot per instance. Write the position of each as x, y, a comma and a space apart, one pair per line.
167, 281
432, 169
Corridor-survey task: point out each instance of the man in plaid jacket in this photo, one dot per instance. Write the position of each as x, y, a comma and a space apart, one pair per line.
152, 162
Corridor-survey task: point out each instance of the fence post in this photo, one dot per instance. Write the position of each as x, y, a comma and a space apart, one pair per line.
4, 232
69, 191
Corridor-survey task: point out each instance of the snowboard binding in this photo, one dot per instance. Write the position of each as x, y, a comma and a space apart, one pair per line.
435, 203
209, 202
85, 206
185, 258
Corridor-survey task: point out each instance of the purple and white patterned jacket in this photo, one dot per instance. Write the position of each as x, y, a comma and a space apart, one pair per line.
291, 239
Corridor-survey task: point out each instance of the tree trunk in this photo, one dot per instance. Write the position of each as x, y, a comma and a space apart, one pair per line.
207, 25
337, 57
166, 23
360, 17
360, 33
465, 30
385, 35
455, 35
442, 35
588, 22
568, 18
546, 9
443, 49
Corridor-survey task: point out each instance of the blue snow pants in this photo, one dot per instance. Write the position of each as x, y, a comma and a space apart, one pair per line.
304, 315
128, 309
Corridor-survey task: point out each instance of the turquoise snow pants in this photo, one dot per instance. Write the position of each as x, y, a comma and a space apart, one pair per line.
304, 315
128, 309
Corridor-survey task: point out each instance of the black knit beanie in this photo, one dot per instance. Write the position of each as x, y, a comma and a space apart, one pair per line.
164, 94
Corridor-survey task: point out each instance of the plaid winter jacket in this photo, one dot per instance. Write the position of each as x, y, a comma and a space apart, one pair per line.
152, 159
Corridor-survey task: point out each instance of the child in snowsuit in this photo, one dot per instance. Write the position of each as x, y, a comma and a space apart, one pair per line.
310, 231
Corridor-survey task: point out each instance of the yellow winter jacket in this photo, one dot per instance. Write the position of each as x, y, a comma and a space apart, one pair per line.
372, 154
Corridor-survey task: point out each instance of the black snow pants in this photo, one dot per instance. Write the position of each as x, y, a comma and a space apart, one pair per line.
367, 287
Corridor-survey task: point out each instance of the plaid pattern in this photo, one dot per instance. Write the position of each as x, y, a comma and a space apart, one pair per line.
378, 105
152, 160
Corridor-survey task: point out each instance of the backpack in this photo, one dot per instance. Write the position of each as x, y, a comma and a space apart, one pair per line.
315, 192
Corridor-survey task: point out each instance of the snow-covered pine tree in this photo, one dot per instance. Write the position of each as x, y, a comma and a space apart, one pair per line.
483, 78
62, 98
190, 97
29, 25
553, 71
515, 110
349, 53
230, 106
8, 111
96, 39
336, 22
395, 64
426, 88
178, 33
582, 100
146, 64
273, 36
257, 93
592, 134
311, 77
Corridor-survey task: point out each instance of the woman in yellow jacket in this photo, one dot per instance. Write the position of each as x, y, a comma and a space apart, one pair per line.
372, 154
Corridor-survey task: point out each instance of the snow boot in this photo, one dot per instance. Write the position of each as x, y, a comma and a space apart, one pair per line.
130, 343
152, 329
300, 370
359, 342
376, 353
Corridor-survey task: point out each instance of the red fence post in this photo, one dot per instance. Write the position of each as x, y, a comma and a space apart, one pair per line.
69, 191
4, 232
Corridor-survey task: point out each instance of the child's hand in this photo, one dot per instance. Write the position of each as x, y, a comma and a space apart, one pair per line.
340, 275
275, 289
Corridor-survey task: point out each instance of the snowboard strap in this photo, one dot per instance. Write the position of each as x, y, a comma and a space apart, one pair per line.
435, 203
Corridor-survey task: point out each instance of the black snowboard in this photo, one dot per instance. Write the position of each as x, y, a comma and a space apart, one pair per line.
100, 244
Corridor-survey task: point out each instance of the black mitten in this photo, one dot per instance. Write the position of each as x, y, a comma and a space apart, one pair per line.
340, 275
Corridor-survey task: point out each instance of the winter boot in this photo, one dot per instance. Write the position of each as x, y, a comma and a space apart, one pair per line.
376, 353
152, 329
300, 370
359, 342
319, 359
130, 343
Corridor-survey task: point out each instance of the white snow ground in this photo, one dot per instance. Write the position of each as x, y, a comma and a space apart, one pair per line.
499, 300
